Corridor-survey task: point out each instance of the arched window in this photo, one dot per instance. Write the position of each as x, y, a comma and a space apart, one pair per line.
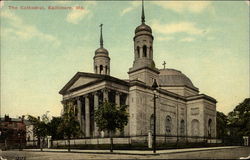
209, 127
168, 125
101, 69
152, 123
138, 51
195, 127
182, 128
144, 51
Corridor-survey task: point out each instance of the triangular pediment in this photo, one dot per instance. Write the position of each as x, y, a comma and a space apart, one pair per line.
82, 81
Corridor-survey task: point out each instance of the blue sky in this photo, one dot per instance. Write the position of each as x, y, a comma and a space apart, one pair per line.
42, 49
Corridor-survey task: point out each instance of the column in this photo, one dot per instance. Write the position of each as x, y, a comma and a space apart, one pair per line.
141, 51
98, 69
96, 104
127, 127
108, 70
79, 112
148, 52
63, 103
87, 117
105, 95
105, 98
117, 98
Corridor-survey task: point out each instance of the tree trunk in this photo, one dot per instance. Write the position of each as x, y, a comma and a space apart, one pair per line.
69, 144
41, 144
111, 141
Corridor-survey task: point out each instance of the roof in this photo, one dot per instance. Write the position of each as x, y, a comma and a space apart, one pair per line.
143, 27
174, 78
101, 50
96, 78
3, 119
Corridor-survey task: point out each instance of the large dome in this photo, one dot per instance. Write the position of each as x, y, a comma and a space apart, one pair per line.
171, 77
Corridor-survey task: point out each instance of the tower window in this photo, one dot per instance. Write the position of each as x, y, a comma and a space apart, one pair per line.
144, 51
101, 69
138, 51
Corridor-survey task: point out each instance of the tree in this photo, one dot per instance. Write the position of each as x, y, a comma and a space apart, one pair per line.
69, 125
110, 117
239, 119
40, 128
221, 126
53, 128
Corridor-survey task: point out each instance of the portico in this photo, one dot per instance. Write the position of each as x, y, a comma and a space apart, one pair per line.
87, 99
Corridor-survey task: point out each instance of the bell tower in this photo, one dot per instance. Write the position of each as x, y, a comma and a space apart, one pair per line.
101, 58
143, 66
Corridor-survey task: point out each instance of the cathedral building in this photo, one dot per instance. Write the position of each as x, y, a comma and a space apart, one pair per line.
181, 111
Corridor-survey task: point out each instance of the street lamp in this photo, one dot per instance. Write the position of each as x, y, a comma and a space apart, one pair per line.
154, 86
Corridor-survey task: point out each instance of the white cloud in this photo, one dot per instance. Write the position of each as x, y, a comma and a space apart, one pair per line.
25, 31
187, 39
75, 16
180, 27
133, 6
181, 6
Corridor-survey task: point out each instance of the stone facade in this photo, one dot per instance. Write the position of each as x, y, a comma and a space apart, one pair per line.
180, 110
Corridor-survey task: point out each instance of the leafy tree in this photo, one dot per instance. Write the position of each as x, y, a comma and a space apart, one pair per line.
239, 119
53, 128
221, 126
69, 125
109, 118
40, 128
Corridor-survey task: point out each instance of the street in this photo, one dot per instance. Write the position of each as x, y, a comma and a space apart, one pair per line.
226, 153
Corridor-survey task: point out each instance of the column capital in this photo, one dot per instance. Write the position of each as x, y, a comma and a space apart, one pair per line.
87, 95
96, 93
118, 93
105, 90
79, 98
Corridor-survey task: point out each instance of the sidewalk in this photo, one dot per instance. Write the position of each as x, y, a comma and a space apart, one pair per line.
133, 152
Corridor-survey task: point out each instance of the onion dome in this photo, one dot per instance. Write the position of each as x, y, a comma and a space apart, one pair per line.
143, 27
101, 50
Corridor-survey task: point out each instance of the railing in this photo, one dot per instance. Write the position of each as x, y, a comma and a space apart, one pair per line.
139, 142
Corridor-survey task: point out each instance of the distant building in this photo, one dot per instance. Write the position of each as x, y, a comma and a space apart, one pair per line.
29, 131
180, 109
13, 130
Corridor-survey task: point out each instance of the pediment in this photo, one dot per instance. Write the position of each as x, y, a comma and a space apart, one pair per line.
82, 81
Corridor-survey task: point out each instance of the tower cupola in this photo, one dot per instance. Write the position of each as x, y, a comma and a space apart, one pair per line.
143, 45
101, 58
143, 66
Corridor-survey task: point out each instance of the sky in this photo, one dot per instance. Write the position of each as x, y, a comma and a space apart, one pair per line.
41, 50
